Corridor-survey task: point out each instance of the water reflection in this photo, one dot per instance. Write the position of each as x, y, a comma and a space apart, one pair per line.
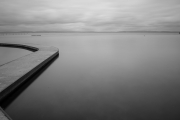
13, 95
105, 77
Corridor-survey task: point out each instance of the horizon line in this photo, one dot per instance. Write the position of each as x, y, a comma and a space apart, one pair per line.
88, 31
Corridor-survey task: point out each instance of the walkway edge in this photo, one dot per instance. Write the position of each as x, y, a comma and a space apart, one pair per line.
16, 72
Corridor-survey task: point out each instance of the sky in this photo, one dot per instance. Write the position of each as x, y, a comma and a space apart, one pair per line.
89, 15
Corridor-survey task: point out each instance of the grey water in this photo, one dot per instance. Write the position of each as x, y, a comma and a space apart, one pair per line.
8, 54
103, 76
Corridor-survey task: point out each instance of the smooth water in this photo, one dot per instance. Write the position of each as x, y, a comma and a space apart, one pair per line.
8, 54
104, 77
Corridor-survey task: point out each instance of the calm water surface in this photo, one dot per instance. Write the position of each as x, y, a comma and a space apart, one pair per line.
104, 77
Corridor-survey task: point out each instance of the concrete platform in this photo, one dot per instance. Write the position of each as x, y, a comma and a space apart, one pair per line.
14, 73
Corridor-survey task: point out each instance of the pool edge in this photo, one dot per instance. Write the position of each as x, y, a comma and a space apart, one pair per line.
14, 73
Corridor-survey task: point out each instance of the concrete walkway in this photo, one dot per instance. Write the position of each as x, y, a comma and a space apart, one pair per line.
14, 73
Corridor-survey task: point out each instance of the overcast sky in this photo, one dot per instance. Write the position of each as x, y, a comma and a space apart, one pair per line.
89, 15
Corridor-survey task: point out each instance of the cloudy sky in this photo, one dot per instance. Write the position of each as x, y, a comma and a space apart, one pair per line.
89, 15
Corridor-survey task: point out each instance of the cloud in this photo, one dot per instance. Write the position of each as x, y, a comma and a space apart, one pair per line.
93, 15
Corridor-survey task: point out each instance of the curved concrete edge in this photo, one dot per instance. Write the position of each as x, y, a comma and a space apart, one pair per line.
31, 48
14, 73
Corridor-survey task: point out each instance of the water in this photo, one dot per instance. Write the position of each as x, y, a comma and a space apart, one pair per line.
104, 77
8, 54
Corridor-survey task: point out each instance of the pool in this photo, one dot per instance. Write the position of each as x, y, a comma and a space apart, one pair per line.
103, 77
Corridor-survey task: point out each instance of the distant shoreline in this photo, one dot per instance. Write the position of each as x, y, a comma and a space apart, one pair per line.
27, 32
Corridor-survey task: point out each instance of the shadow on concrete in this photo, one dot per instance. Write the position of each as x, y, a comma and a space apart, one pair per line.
13, 95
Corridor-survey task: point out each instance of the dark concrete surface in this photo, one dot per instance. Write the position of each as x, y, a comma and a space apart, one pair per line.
14, 73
